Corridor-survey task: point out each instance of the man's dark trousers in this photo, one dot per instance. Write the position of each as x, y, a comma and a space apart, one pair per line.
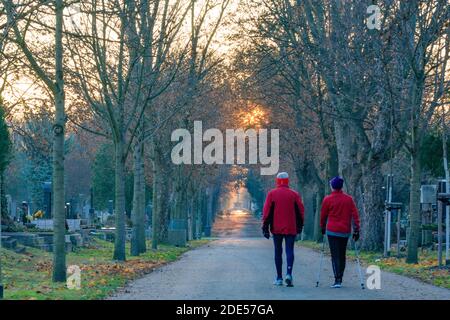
289, 243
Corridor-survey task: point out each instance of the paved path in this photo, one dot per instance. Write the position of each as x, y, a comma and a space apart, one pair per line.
242, 268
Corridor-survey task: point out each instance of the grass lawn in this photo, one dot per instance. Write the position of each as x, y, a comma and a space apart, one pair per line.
28, 276
426, 270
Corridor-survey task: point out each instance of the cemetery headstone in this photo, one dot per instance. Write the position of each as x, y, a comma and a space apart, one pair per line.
74, 224
427, 201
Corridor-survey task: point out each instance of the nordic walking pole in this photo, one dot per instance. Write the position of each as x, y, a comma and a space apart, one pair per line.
321, 259
359, 265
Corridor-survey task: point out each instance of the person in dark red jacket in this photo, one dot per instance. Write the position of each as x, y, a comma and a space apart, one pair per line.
283, 216
337, 215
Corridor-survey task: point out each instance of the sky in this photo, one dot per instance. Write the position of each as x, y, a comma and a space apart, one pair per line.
24, 87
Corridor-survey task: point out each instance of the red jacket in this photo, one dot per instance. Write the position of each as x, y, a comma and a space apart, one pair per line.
283, 211
339, 209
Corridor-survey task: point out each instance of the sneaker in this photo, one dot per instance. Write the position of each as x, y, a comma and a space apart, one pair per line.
289, 281
278, 282
337, 284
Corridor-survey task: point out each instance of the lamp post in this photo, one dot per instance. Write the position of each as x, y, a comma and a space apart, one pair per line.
397, 207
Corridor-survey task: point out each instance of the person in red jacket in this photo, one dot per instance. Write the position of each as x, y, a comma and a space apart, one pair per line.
336, 217
283, 216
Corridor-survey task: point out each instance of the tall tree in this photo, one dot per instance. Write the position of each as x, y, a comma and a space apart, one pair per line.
55, 85
323, 55
5, 151
130, 44
425, 38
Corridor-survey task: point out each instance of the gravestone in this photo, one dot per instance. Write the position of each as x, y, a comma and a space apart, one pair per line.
74, 224
428, 194
427, 200
43, 224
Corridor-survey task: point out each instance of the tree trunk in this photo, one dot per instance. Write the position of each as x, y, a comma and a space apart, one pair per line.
180, 195
164, 211
3, 201
199, 212
119, 245
332, 170
160, 199
332, 161
416, 172
155, 209
300, 172
141, 216
209, 214
414, 208
308, 200
178, 232
195, 204
347, 154
138, 244
190, 211
136, 201
1, 219
59, 215
373, 208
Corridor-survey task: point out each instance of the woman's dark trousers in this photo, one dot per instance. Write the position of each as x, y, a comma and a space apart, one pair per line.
338, 248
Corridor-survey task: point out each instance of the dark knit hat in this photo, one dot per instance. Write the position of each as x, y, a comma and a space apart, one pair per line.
337, 183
